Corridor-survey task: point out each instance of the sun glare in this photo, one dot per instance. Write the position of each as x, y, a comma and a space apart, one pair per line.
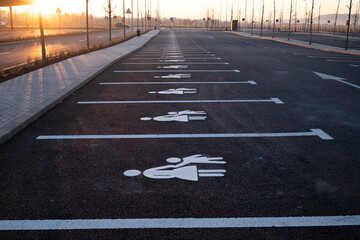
46, 6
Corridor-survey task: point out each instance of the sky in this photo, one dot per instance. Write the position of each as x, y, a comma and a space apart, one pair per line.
194, 9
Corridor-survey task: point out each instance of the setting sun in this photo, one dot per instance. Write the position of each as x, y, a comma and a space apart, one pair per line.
66, 6
46, 6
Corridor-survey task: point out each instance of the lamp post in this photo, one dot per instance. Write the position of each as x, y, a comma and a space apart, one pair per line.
132, 16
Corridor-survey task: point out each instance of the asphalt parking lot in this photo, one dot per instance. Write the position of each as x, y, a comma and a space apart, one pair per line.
198, 135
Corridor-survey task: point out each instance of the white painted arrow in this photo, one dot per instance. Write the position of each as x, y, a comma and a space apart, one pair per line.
328, 77
339, 79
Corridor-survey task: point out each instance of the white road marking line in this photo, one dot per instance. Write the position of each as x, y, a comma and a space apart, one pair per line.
83, 40
182, 223
314, 132
274, 100
186, 63
352, 61
177, 55
159, 83
171, 59
338, 79
3, 53
170, 71
211, 37
173, 52
356, 66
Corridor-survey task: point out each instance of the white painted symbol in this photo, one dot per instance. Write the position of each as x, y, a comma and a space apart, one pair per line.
329, 77
339, 79
173, 53
175, 76
183, 169
172, 61
182, 116
175, 56
177, 91
173, 66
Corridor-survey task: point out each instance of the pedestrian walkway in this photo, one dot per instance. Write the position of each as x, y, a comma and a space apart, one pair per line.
299, 43
25, 98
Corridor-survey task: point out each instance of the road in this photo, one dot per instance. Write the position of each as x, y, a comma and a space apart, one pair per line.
15, 53
196, 129
7, 34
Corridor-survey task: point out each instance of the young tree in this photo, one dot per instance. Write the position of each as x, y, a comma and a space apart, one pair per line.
348, 26
336, 16
274, 22
108, 9
290, 18
262, 18
311, 21
356, 17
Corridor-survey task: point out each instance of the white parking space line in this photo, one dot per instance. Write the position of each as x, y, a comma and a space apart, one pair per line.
173, 53
183, 223
187, 63
180, 55
274, 100
170, 71
4, 53
159, 83
214, 58
314, 132
83, 40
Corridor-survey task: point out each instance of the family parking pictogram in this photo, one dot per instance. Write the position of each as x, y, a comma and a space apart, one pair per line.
185, 169
182, 116
176, 91
174, 67
174, 76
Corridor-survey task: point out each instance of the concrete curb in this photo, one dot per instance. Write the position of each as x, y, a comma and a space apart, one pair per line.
298, 45
9, 130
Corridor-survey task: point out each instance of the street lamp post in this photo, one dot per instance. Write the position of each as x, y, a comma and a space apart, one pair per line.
132, 16
124, 17
226, 15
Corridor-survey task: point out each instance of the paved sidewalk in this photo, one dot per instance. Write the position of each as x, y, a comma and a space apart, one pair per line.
25, 98
316, 46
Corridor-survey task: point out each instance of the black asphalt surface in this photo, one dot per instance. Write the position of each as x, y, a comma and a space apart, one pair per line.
265, 177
